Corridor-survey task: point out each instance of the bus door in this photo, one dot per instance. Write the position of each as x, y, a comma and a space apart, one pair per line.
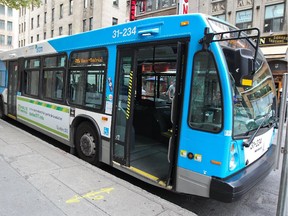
123, 133
147, 108
12, 87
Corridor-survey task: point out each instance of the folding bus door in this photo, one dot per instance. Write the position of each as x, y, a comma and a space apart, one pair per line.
12, 88
123, 130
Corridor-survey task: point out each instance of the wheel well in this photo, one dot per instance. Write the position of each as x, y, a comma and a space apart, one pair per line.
77, 121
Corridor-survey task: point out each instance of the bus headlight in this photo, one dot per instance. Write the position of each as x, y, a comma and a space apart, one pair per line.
233, 157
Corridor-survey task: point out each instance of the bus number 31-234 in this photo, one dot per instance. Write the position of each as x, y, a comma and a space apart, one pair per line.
126, 32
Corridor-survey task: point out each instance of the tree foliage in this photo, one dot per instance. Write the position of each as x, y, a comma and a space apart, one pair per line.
20, 3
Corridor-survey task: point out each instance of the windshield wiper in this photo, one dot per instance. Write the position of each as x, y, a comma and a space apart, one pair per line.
250, 140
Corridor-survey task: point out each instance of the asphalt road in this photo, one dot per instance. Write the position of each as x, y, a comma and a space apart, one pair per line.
261, 200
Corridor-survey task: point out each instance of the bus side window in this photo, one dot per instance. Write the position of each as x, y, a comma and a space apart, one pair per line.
31, 78
206, 97
53, 84
77, 86
94, 88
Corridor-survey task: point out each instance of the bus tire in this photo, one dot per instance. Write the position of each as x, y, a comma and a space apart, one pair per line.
87, 143
2, 114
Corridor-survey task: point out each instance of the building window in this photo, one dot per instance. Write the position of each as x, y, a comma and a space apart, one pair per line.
221, 16
70, 29
85, 3
10, 11
24, 26
9, 40
164, 3
90, 23
2, 24
44, 36
31, 40
115, 2
60, 30
61, 11
244, 19
84, 25
38, 37
2, 39
9, 26
149, 6
38, 21
114, 21
142, 6
52, 15
32, 20
70, 7
52, 33
24, 42
2, 9
45, 17
274, 18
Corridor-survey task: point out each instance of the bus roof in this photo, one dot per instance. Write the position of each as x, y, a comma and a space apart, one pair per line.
154, 28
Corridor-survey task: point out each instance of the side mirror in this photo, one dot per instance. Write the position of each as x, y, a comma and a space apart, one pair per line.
240, 64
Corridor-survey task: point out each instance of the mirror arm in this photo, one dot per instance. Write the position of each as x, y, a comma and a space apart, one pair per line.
207, 39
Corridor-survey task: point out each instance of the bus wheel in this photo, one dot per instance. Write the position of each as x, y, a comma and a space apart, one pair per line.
86, 143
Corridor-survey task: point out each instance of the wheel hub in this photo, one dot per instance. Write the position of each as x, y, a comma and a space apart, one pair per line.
87, 145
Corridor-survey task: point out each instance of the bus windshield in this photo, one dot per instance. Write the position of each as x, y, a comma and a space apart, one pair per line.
253, 105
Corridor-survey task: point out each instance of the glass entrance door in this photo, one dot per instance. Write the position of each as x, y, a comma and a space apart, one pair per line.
123, 131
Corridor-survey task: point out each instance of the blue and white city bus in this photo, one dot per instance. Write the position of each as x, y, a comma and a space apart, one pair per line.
106, 93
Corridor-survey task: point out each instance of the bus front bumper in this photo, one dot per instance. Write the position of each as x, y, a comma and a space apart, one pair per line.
233, 187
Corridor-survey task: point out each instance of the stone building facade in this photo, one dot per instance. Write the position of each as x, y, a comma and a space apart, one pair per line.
8, 28
65, 17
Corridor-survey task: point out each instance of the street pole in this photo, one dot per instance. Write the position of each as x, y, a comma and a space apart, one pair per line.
282, 197
281, 121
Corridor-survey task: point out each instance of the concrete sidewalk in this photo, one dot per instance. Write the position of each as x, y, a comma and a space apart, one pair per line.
37, 178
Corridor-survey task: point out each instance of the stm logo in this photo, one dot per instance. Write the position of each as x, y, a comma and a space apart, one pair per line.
38, 49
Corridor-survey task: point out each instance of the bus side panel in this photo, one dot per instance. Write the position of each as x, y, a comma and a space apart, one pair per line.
110, 79
206, 147
192, 183
50, 117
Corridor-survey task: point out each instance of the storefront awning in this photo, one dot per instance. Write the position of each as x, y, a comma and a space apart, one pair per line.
275, 52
